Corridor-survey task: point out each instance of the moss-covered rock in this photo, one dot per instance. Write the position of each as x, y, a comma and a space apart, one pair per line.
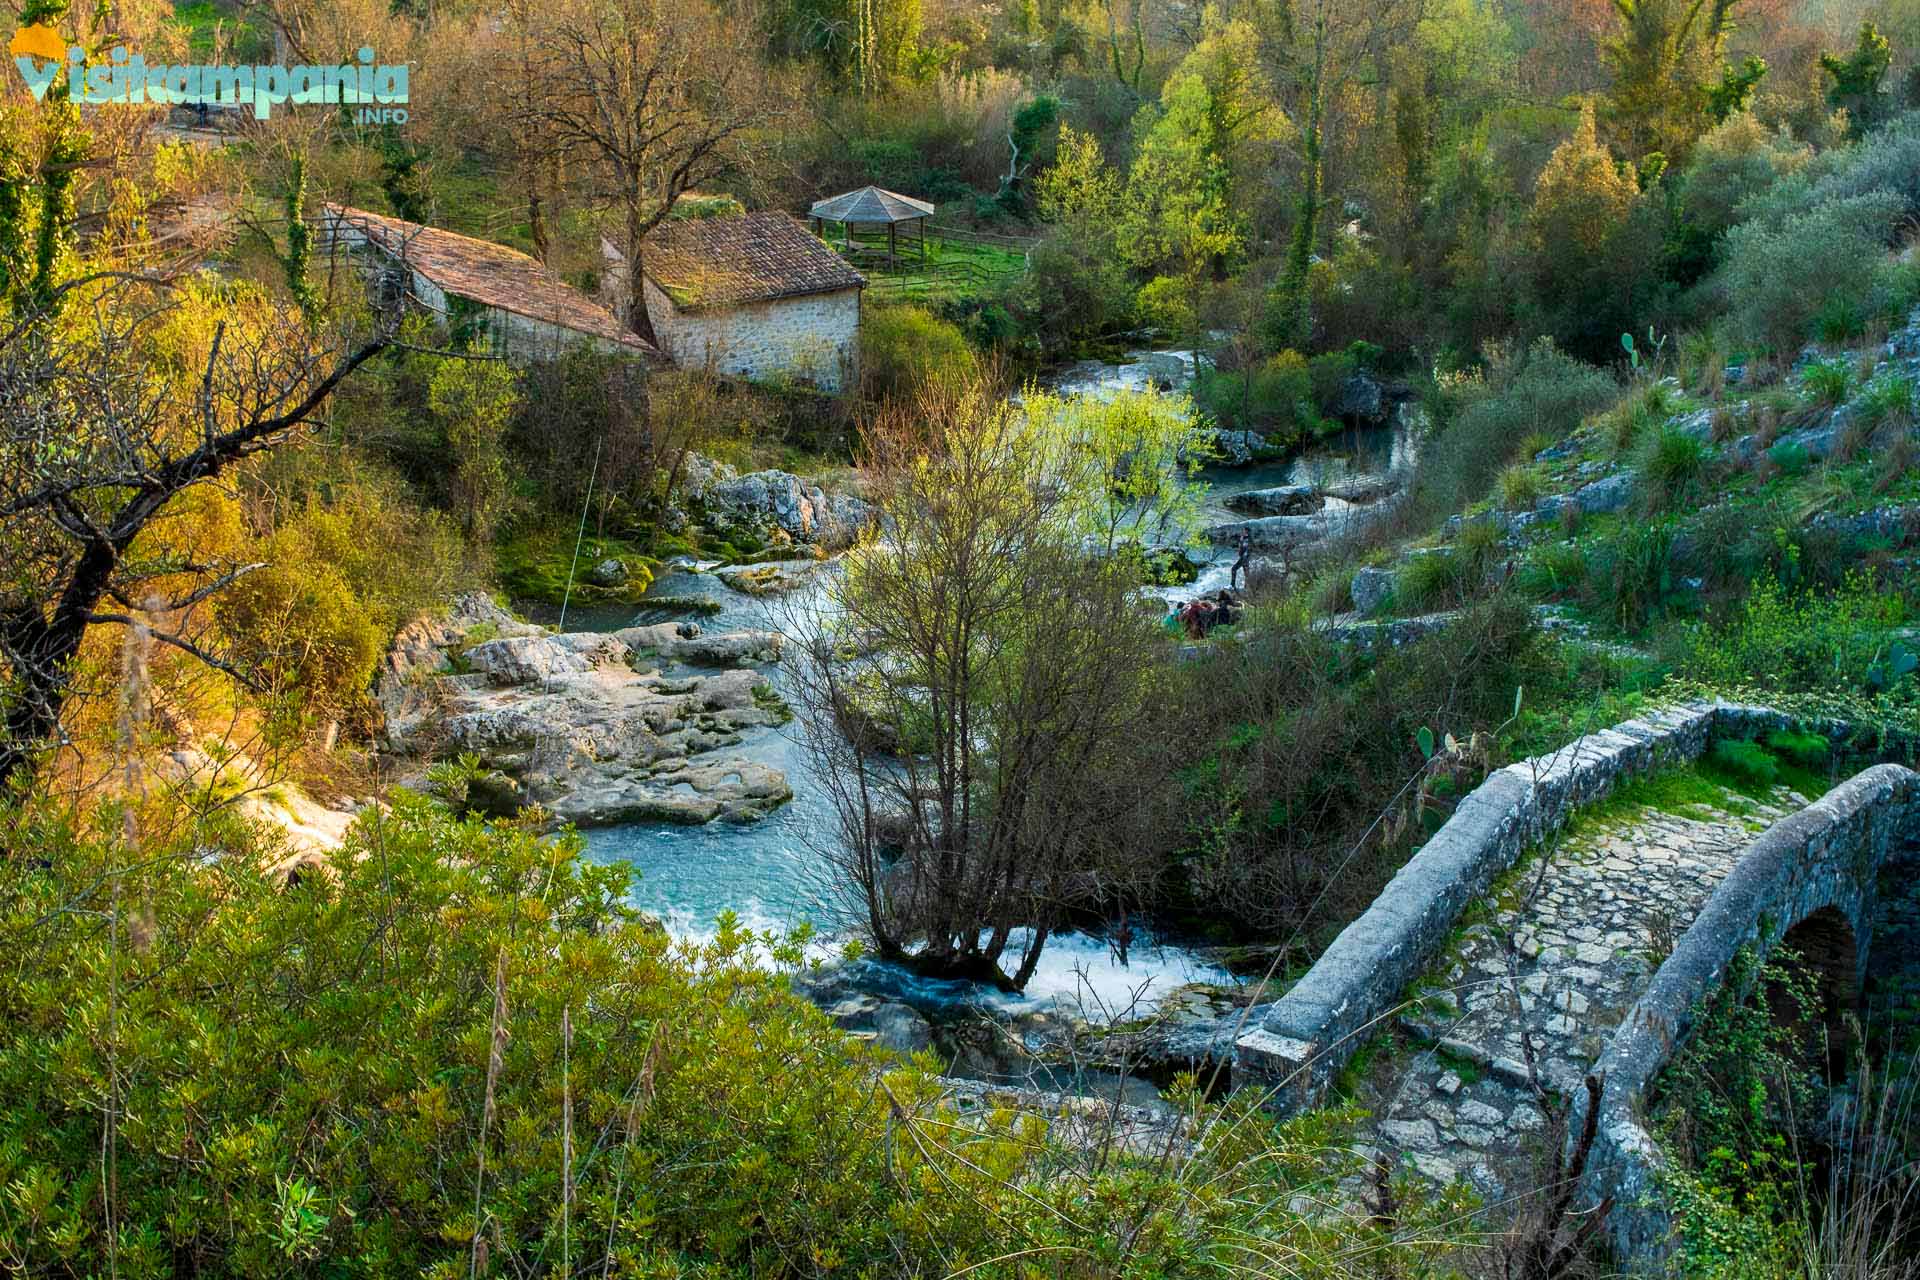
536, 566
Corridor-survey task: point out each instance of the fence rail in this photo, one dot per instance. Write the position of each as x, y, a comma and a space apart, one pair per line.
936, 277
994, 238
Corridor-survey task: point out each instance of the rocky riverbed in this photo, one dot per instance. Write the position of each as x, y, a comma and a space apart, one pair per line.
636, 725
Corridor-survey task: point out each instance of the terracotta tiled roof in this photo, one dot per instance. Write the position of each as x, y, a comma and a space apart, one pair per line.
491, 275
715, 262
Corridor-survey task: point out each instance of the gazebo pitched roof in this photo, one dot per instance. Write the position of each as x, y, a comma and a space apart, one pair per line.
871, 204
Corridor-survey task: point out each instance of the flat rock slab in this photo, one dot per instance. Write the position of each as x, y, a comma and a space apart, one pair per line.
1282, 500
582, 732
774, 577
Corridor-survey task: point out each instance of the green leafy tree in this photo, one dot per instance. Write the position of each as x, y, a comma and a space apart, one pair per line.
1316, 49
862, 45
1858, 80
1669, 84
474, 400
1186, 206
1593, 245
1735, 91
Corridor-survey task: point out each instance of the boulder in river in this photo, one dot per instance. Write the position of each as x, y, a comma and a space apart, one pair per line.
1238, 448
1281, 500
771, 577
611, 572
798, 508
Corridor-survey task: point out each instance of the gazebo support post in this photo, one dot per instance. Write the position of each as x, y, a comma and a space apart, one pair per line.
892, 257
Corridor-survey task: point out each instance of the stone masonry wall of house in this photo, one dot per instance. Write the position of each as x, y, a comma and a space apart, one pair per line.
1307, 1036
813, 338
1823, 860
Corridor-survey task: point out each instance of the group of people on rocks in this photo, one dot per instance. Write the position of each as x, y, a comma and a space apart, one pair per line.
1222, 609
1202, 614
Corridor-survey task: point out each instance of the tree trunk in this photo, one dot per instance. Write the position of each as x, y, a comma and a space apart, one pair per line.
1294, 319
637, 318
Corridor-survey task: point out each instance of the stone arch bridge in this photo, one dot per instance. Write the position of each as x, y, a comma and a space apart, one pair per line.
1527, 956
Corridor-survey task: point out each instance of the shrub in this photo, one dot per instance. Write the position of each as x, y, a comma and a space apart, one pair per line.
905, 349
1166, 303
1543, 392
1273, 397
1075, 288
1552, 570
1789, 456
340, 577
1671, 467
1299, 744
1828, 381
1521, 485
298, 618
1745, 760
1703, 362
1805, 750
1733, 163
358, 1061
1432, 579
1885, 162
1813, 265
1800, 642
1630, 574
1897, 461
1886, 398
1330, 371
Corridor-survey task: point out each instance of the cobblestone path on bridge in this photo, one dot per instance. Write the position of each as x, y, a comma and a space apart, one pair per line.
1590, 917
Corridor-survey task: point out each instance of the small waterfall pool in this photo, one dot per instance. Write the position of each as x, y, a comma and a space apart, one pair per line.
773, 874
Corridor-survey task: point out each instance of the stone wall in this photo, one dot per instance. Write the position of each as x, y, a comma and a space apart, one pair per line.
813, 339
1820, 861
1304, 1038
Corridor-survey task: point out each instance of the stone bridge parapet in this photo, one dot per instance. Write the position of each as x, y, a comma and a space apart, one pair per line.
1819, 862
1300, 1042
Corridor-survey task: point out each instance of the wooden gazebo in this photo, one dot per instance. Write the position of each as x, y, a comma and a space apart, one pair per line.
873, 207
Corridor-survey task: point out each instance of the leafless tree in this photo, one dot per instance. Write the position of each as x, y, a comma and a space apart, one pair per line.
652, 98
980, 704
94, 445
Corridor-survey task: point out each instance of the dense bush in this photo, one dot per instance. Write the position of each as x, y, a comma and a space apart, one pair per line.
906, 348
338, 578
1543, 390
1073, 291
335, 1078
1798, 642
1808, 274
1274, 397
1303, 744
1736, 161
1672, 466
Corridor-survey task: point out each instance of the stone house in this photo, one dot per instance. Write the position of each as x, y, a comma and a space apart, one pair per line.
757, 295
500, 295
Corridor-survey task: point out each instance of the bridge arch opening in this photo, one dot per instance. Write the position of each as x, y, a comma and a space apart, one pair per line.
1825, 953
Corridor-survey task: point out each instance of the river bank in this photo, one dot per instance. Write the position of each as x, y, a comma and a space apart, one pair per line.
659, 727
